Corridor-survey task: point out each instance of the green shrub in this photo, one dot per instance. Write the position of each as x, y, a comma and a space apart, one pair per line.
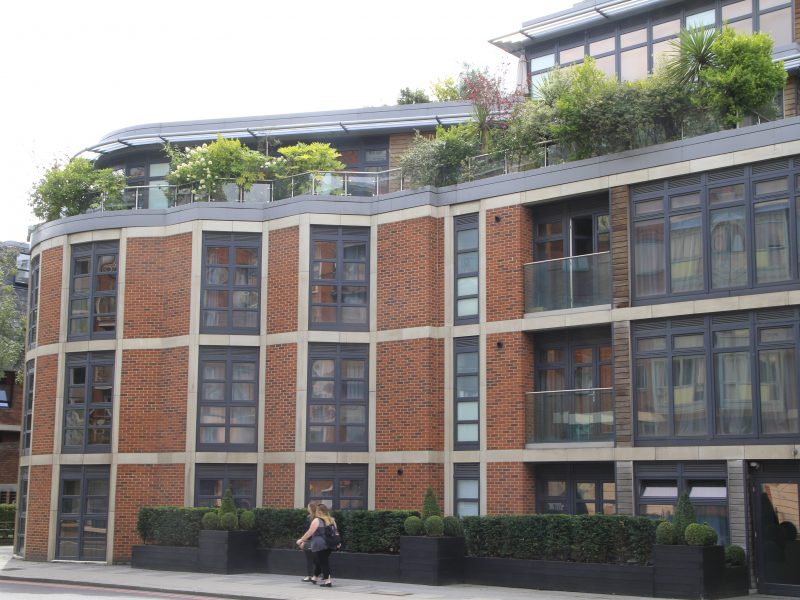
684, 516
229, 521
700, 535
211, 520
413, 525
373, 531
8, 514
430, 505
665, 533
735, 555
247, 520
434, 526
279, 527
452, 526
228, 505
171, 525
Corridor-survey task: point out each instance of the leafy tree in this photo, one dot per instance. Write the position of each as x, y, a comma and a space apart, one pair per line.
447, 90
684, 516
439, 160
693, 52
526, 130
12, 325
303, 158
409, 96
491, 103
73, 188
430, 507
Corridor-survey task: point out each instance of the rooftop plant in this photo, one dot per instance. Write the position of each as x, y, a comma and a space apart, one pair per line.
12, 326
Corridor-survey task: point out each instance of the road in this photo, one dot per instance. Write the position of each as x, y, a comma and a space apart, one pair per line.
23, 590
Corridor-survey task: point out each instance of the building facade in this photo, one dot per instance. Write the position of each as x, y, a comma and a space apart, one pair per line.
591, 337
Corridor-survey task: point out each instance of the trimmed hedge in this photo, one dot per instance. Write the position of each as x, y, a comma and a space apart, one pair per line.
8, 514
170, 525
610, 539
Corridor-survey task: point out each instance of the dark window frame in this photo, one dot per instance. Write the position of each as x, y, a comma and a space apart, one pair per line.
226, 473
466, 472
89, 361
33, 302
27, 409
466, 223
572, 474
22, 512
461, 346
230, 356
338, 353
94, 296
84, 500
338, 473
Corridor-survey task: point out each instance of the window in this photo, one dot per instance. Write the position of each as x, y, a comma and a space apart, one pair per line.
227, 401
337, 486
6, 390
230, 298
466, 485
339, 287
83, 513
93, 291
88, 401
466, 271
22, 512
576, 489
23, 274
658, 486
212, 481
467, 393
337, 396
33, 303
540, 66
718, 377
720, 231
27, 411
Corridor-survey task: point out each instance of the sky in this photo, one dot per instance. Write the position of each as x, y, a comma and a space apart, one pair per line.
76, 70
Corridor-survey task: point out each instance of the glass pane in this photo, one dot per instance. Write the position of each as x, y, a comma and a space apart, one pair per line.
652, 397
355, 271
467, 262
324, 250
243, 392
737, 9
689, 395
323, 270
353, 414
354, 294
73, 437
247, 256
732, 338
323, 314
681, 342
212, 415
318, 434
467, 239
556, 488
540, 63
352, 434
708, 490
667, 488
354, 390
80, 307
244, 371
772, 241
217, 275
607, 65
467, 411
242, 276
353, 369
467, 433
216, 256
728, 193
666, 28
467, 509
609, 490
242, 299
701, 19
602, 46
633, 64
80, 266
649, 257
99, 417
467, 362
243, 435
322, 368
548, 229
243, 415
322, 389
467, 386
466, 308
354, 250
728, 248
106, 263
652, 344
657, 511
649, 207
212, 391
586, 491
324, 294
215, 299
662, 52
772, 186
467, 286
775, 334
744, 26
733, 393
106, 283
76, 395
778, 391
467, 488
779, 25
568, 55
71, 506
213, 370
633, 38
322, 413
74, 418
212, 435
354, 316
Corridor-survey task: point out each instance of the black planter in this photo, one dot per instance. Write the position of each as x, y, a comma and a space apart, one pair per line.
345, 565
432, 560
629, 580
695, 572
165, 558
228, 551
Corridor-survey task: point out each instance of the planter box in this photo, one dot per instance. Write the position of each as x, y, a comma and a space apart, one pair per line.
696, 572
165, 558
432, 560
629, 580
347, 565
228, 551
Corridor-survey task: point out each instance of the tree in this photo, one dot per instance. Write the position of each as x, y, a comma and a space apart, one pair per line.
438, 161
304, 158
446, 90
12, 325
73, 188
491, 103
409, 96
694, 52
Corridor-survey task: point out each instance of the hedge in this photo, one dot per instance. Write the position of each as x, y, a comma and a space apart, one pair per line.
8, 514
584, 538
170, 525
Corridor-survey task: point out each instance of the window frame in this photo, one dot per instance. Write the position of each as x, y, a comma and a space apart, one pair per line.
93, 295
90, 361
82, 474
461, 346
466, 472
33, 302
226, 472
466, 223
338, 473
27, 409
572, 474
22, 512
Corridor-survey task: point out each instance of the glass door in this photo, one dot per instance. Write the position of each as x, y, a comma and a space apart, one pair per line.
776, 519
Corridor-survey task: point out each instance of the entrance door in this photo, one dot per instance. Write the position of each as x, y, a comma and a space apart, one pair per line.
776, 521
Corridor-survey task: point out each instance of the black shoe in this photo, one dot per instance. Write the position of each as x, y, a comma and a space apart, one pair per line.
329, 584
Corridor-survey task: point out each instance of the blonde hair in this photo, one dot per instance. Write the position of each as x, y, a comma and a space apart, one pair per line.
324, 514
312, 508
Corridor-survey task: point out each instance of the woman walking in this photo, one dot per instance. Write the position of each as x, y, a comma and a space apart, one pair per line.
319, 547
312, 512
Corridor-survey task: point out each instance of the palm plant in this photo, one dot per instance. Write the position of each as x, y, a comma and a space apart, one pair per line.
693, 52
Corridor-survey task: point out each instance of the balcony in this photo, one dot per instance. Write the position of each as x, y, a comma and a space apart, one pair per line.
572, 282
569, 416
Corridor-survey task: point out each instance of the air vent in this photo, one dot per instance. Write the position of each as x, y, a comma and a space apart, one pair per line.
785, 314
735, 319
641, 190
680, 323
649, 326
778, 165
470, 219
683, 181
726, 174
467, 343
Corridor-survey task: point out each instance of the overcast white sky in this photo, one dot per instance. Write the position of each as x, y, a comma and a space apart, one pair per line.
72, 71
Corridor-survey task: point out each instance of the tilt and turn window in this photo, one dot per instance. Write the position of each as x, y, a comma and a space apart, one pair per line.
466, 276
467, 394
88, 402
230, 299
93, 291
339, 278
33, 302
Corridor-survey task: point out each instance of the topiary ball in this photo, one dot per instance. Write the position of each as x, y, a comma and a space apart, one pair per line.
211, 520
665, 533
711, 534
452, 526
413, 525
700, 535
247, 520
229, 521
434, 526
734, 555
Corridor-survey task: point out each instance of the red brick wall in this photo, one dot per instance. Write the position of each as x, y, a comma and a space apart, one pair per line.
407, 491
12, 415
50, 295
410, 395
153, 396
280, 389
279, 485
44, 404
9, 457
509, 375
411, 274
282, 280
510, 489
158, 279
509, 245
137, 486
38, 521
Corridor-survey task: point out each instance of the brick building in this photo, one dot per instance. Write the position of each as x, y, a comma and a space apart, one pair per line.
518, 342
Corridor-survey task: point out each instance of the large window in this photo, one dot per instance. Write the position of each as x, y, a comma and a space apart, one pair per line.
88, 401
212, 481
227, 400
576, 489
338, 486
719, 377
93, 291
33, 302
339, 278
466, 487
467, 265
22, 512
27, 410
230, 298
337, 396
658, 486
83, 513
718, 233
467, 393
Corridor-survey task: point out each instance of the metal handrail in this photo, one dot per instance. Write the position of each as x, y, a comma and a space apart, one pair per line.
606, 389
538, 262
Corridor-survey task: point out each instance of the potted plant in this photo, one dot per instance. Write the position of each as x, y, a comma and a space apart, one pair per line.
227, 539
432, 552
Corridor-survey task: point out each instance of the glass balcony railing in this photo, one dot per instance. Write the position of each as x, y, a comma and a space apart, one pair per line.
568, 416
571, 282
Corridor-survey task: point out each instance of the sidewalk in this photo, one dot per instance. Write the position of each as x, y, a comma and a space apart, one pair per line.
264, 586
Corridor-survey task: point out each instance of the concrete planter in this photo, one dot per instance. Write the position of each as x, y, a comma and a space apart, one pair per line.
432, 560
227, 551
696, 572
